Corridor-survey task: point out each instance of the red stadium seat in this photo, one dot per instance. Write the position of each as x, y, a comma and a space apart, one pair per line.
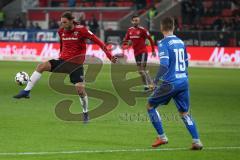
227, 13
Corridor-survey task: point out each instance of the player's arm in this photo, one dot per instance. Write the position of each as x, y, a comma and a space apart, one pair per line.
148, 36
125, 43
89, 35
186, 57
60, 41
164, 63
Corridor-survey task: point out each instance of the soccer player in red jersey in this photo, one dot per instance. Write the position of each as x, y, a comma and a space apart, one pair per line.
72, 56
136, 36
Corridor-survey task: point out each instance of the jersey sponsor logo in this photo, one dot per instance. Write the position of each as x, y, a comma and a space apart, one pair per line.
178, 41
75, 33
132, 37
69, 38
79, 26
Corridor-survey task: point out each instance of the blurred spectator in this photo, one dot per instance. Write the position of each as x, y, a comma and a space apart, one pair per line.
236, 22
217, 24
186, 11
55, 3
18, 23
150, 15
37, 27
140, 4
71, 3
222, 41
198, 10
31, 25
53, 24
82, 19
93, 24
176, 24
2, 18
110, 3
212, 15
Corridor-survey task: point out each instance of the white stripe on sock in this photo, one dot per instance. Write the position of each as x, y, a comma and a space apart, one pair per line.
33, 80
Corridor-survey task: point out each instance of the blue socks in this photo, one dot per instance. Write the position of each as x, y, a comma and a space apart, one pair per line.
156, 120
187, 119
190, 125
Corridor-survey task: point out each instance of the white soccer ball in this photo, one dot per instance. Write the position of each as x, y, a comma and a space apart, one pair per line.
21, 78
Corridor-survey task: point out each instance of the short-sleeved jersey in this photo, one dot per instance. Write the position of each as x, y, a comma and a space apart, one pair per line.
172, 48
138, 36
73, 44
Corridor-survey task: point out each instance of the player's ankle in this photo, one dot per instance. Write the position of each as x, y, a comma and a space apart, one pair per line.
197, 141
163, 137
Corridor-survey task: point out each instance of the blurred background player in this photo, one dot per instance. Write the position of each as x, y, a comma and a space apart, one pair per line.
173, 72
136, 36
72, 56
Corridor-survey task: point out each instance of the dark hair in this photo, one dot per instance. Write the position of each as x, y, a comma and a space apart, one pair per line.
167, 24
135, 16
67, 15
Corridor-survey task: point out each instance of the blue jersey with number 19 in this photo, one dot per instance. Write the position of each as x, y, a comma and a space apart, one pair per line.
173, 55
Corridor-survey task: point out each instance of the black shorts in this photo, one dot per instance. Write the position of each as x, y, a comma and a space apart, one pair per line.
141, 59
75, 71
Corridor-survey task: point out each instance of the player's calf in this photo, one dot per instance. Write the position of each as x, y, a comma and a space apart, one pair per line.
191, 126
157, 124
83, 100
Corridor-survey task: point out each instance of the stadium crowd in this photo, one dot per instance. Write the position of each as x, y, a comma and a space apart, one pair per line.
219, 15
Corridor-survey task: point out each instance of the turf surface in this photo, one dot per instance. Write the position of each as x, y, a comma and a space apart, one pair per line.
31, 125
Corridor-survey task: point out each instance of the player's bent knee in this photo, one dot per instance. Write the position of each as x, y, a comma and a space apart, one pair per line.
148, 106
182, 114
43, 67
141, 72
80, 89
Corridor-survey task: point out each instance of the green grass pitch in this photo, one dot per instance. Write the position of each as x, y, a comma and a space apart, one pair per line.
31, 126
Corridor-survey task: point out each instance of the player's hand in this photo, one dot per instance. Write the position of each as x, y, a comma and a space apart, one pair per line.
114, 59
125, 45
154, 54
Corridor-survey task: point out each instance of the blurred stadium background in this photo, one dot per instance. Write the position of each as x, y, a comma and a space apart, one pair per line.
30, 128
200, 23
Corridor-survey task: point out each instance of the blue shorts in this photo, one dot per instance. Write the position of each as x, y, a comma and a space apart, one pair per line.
178, 91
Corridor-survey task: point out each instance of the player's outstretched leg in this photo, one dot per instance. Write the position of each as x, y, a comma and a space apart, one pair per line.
149, 82
191, 126
146, 79
157, 124
36, 75
83, 100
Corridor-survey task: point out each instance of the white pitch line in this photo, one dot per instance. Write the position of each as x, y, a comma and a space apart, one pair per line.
110, 151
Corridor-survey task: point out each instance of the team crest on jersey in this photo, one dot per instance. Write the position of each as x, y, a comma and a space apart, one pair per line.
63, 34
138, 32
75, 33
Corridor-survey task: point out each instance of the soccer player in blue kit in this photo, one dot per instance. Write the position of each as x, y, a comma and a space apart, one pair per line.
174, 75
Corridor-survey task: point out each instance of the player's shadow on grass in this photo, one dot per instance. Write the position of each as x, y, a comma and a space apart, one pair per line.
123, 86
62, 109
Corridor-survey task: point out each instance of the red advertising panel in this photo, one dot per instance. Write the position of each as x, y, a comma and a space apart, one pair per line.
199, 56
